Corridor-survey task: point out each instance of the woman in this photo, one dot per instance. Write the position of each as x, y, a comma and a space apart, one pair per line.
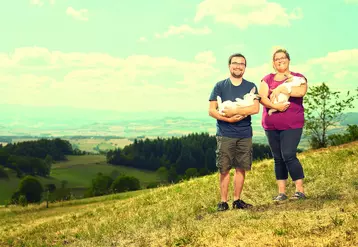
284, 127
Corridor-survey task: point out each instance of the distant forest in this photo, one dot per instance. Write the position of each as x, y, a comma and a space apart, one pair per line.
35, 157
177, 157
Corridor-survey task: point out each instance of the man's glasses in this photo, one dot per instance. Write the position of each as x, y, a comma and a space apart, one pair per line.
280, 58
238, 64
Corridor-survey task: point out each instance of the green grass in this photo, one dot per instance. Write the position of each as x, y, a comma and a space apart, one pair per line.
185, 214
78, 171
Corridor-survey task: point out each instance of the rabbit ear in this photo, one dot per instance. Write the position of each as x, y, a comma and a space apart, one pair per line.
252, 90
218, 98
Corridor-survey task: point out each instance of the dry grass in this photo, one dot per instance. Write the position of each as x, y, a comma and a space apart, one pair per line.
185, 214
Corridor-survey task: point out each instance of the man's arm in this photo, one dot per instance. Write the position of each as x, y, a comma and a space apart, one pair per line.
215, 114
248, 110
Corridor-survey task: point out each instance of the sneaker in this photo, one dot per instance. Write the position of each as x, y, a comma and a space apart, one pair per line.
281, 197
240, 204
223, 206
298, 196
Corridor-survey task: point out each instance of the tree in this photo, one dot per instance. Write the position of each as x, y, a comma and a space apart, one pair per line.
3, 173
191, 173
101, 184
125, 183
324, 109
162, 173
31, 188
350, 135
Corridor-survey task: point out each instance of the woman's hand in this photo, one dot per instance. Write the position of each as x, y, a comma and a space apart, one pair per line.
274, 94
281, 106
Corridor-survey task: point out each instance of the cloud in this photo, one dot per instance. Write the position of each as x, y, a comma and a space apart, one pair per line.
351, 1
243, 13
40, 3
338, 69
98, 81
40, 77
205, 57
80, 15
183, 29
142, 39
36, 2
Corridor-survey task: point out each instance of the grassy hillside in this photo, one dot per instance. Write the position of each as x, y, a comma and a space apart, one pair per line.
78, 171
185, 214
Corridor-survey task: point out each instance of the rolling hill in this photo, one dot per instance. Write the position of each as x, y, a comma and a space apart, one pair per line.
185, 214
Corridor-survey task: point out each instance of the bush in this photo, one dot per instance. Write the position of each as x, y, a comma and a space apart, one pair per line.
125, 183
101, 185
22, 200
3, 173
153, 185
31, 188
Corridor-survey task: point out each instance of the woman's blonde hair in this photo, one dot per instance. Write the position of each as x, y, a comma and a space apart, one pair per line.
283, 51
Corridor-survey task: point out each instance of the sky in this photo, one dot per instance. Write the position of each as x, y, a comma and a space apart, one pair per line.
164, 55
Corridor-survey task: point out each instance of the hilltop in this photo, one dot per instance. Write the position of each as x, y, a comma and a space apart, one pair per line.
185, 214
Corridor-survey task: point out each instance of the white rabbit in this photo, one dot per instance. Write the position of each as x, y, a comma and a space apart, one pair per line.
292, 81
247, 101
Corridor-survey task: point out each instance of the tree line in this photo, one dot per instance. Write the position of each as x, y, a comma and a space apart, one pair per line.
34, 157
177, 157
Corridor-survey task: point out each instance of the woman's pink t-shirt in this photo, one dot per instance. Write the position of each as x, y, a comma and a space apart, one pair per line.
292, 118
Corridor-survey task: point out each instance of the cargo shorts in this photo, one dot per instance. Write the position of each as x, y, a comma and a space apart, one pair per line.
233, 152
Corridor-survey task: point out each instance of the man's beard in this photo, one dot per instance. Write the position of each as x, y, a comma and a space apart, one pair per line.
237, 76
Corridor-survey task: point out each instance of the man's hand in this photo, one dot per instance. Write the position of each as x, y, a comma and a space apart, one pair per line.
235, 118
282, 106
229, 112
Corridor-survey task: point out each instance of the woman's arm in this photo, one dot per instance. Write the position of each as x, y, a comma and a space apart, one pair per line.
296, 91
266, 102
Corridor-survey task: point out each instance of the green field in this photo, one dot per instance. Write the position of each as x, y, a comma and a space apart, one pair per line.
185, 214
78, 171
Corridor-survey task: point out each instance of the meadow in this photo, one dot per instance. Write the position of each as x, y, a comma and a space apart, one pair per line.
78, 173
185, 214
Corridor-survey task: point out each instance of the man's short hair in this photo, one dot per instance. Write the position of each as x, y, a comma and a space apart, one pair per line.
237, 55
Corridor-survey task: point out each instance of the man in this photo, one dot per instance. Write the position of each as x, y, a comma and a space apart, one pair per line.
234, 134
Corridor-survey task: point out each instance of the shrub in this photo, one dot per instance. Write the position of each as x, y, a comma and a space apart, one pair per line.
125, 183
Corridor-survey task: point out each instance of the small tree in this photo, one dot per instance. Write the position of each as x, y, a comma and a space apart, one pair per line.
31, 188
101, 185
125, 183
191, 173
3, 173
324, 109
162, 172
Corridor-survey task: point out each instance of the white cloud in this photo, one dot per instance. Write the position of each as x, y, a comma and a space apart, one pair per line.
40, 3
36, 2
337, 69
351, 1
80, 15
41, 77
183, 29
142, 39
243, 13
205, 57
